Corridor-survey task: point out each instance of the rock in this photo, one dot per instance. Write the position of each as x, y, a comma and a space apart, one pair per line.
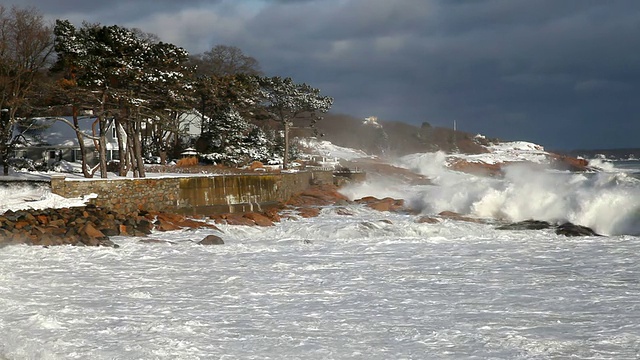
427, 220
109, 232
211, 240
526, 225
386, 204
108, 243
308, 212
238, 219
343, 211
272, 214
170, 222
90, 231
259, 219
317, 195
569, 229
563, 162
455, 216
144, 226
476, 168
162, 225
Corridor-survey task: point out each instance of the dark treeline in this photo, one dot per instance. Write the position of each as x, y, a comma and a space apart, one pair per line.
130, 81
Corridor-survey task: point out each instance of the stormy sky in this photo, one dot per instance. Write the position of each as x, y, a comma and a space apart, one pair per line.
561, 73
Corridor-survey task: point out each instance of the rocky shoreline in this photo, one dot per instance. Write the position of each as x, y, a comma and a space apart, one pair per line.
93, 226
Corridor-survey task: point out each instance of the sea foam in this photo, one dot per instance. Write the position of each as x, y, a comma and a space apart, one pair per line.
608, 202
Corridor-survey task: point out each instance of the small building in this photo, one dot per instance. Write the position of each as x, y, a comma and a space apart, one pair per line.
189, 152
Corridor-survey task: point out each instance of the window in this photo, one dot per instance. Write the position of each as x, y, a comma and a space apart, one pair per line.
77, 154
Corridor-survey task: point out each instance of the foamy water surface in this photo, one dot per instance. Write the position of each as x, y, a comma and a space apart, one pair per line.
369, 285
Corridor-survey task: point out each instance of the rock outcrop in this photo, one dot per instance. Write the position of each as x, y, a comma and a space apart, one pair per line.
85, 226
566, 229
569, 229
212, 240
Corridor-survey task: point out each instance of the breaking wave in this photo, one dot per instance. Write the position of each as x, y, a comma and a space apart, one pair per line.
608, 201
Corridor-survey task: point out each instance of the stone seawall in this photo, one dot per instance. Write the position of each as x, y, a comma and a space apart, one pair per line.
191, 195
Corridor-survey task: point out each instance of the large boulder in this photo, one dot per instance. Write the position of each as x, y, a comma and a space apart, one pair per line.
318, 195
308, 212
459, 217
386, 204
259, 219
211, 240
569, 229
526, 225
476, 167
564, 162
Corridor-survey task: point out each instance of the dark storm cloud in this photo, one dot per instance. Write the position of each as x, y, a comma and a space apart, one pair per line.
564, 74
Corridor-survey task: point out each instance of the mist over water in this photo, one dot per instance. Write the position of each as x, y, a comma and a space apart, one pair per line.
608, 201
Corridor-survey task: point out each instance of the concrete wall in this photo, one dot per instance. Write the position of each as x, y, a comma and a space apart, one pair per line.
191, 195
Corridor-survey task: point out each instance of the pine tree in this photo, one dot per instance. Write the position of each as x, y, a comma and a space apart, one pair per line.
283, 101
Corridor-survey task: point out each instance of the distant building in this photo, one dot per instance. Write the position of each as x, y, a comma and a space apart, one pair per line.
372, 121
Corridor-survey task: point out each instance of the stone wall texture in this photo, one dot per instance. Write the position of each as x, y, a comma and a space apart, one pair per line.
191, 195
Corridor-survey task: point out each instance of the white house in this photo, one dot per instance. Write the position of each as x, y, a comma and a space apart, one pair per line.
191, 124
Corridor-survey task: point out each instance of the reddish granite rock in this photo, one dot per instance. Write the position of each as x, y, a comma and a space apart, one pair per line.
308, 212
169, 222
238, 219
456, 216
386, 204
563, 162
161, 225
259, 219
272, 214
476, 168
89, 230
318, 195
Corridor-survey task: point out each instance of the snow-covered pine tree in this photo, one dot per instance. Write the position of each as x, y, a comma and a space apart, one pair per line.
283, 101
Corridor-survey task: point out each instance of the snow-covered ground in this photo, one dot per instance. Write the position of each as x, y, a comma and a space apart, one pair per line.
514, 151
331, 152
369, 285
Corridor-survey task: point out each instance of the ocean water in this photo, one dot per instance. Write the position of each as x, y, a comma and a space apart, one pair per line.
352, 283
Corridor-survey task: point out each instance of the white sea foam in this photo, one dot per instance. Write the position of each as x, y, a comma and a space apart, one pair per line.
370, 285
608, 202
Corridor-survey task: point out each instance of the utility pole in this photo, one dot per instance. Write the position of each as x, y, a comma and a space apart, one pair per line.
455, 141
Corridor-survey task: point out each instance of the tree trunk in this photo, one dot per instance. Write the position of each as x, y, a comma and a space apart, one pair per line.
102, 148
130, 150
285, 161
85, 170
6, 129
122, 155
137, 146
